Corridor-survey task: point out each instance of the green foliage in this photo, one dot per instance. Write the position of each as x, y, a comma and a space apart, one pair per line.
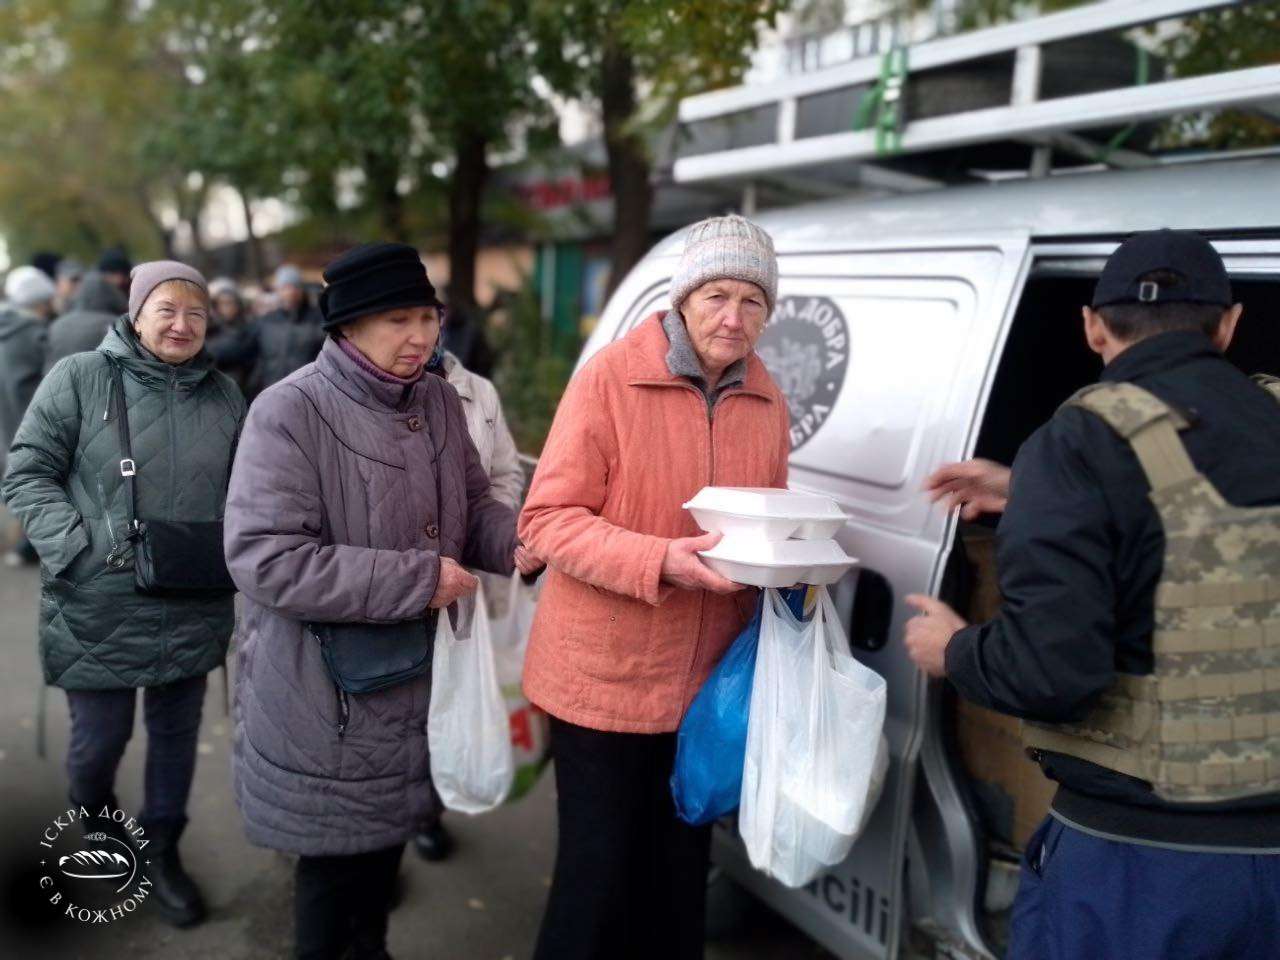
80, 83
113, 112
532, 372
677, 49
1231, 38
975, 14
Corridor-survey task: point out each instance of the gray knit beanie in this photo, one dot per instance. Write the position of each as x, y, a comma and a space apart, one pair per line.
145, 277
287, 275
730, 247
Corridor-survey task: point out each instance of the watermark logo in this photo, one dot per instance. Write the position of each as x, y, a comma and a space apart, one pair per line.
93, 869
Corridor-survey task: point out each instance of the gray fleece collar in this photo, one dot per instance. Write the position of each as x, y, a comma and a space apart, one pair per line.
682, 360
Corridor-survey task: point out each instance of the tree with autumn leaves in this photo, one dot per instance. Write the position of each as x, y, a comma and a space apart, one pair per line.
118, 117
386, 117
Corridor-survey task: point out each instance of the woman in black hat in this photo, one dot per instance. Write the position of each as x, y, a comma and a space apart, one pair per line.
356, 500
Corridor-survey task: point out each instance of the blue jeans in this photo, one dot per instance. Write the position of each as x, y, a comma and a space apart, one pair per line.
1083, 897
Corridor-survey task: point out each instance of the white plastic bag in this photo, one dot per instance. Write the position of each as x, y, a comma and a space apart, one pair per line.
530, 728
467, 729
815, 760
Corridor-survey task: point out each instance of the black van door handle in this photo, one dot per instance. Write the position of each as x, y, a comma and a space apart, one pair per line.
872, 611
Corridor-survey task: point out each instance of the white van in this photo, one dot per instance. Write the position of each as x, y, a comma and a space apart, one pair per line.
910, 332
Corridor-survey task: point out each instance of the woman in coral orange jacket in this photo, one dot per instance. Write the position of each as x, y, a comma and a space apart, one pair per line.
631, 621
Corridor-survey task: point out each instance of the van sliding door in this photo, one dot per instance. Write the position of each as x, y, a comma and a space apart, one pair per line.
886, 356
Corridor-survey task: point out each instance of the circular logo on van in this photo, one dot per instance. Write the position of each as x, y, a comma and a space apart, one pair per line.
806, 348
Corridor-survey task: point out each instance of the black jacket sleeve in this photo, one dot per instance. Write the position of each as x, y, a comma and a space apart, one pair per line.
1051, 650
239, 349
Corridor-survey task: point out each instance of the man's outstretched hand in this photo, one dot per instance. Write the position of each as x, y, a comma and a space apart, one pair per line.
928, 633
975, 486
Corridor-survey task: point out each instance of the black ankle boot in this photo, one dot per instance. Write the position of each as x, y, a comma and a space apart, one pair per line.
434, 843
368, 938
176, 895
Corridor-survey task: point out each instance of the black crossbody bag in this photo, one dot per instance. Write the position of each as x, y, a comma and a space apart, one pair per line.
364, 657
171, 558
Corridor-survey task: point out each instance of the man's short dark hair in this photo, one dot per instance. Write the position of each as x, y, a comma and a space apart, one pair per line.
1137, 321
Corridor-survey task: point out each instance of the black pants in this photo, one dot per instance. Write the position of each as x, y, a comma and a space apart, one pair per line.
101, 725
630, 878
342, 902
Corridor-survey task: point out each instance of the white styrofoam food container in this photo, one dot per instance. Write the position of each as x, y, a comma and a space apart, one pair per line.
778, 564
766, 512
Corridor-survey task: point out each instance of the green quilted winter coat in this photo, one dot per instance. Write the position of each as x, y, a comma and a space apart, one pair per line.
64, 483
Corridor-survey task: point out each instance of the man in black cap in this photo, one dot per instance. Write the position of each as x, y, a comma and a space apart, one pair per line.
1122, 572
115, 266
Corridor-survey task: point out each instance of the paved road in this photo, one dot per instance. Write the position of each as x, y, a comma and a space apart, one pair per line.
482, 905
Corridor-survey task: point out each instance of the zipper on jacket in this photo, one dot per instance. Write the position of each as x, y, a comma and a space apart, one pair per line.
106, 514
115, 559
173, 496
173, 437
344, 710
711, 479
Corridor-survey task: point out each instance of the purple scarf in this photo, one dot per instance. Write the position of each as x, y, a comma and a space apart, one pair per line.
371, 368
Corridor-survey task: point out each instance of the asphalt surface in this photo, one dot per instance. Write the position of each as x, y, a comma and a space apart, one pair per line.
483, 904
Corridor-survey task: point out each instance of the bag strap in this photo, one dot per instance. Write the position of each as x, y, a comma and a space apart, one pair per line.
128, 468
1149, 425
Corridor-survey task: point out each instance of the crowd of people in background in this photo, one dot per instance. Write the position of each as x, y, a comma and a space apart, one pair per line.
342, 463
55, 307
124, 402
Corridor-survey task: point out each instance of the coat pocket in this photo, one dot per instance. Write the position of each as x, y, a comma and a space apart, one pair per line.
71, 559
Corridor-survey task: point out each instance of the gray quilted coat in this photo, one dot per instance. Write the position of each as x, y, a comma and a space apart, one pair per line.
333, 516
64, 483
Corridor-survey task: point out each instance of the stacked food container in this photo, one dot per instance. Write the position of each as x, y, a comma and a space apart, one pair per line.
772, 537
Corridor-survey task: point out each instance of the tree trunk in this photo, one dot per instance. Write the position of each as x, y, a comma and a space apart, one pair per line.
466, 190
86, 228
628, 164
191, 210
199, 254
383, 175
391, 204
163, 233
252, 241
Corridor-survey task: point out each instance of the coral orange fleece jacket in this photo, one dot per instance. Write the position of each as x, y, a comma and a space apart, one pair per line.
614, 648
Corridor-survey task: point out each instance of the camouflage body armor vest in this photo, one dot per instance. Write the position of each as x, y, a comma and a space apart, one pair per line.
1205, 725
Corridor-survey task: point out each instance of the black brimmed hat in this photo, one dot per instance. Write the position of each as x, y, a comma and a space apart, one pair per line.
373, 278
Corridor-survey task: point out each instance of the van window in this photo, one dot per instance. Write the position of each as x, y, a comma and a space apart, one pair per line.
1045, 359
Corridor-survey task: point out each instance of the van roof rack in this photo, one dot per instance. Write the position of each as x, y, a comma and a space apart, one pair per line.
881, 132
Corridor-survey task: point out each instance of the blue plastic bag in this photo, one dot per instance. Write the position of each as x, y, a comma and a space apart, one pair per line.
711, 744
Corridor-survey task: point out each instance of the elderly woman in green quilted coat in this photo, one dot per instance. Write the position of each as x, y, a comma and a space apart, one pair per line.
101, 640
